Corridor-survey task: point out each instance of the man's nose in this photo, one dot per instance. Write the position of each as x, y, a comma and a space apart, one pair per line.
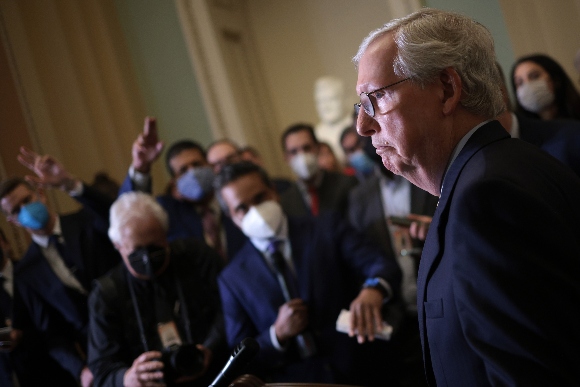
366, 126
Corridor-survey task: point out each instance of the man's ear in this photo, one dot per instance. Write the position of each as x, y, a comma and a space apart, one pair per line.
452, 85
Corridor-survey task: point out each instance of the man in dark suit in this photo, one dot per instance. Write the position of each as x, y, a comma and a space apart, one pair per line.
316, 190
498, 290
55, 274
372, 204
24, 360
323, 263
189, 199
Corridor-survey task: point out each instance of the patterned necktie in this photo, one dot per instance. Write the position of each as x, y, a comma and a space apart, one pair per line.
288, 283
285, 277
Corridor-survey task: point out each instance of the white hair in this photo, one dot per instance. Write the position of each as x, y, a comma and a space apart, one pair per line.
134, 207
431, 40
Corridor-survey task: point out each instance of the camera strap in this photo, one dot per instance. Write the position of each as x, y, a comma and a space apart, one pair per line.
137, 313
182, 305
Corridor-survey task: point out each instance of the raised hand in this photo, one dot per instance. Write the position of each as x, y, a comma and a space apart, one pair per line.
48, 171
147, 147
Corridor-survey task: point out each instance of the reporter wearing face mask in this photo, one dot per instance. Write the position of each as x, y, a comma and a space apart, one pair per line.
163, 297
289, 282
189, 200
54, 277
543, 89
316, 191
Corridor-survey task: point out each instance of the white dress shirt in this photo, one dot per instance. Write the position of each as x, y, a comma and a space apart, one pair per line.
54, 259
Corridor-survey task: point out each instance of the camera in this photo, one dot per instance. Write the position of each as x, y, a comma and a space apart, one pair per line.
181, 360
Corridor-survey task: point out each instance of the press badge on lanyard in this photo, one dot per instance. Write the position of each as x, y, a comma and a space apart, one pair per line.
168, 334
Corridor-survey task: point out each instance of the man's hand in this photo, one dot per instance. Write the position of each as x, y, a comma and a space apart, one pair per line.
86, 377
49, 172
292, 319
365, 314
147, 147
145, 371
420, 226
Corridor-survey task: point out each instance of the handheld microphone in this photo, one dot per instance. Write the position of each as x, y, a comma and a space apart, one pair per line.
241, 356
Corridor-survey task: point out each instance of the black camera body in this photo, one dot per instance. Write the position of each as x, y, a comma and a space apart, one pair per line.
181, 360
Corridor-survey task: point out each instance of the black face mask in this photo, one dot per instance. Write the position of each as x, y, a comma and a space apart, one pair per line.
148, 260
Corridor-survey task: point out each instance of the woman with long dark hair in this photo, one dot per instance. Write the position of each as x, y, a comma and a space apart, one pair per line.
543, 89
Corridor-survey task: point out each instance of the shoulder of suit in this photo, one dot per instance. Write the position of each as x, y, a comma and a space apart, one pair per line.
110, 285
365, 186
29, 259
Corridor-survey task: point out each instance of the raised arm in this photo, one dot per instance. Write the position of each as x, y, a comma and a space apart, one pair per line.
147, 147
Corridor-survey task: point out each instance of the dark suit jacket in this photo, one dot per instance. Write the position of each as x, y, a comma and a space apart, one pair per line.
498, 285
30, 360
185, 222
331, 261
559, 138
367, 215
55, 310
332, 195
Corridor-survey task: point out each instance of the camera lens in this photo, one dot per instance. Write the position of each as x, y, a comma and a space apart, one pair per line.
185, 360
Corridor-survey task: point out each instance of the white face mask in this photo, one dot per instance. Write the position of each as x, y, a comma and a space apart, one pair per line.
263, 220
535, 95
304, 165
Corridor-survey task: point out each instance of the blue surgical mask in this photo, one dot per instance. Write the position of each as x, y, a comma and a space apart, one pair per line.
33, 216
361, 163
196, 183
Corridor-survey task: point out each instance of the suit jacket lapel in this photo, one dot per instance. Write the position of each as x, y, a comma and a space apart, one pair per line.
485, 135
72, 233
258, 274
48, 286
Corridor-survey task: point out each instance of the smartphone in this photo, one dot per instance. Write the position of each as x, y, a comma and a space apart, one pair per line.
400, 221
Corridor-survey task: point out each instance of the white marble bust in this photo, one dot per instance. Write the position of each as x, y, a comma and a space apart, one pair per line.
333, 113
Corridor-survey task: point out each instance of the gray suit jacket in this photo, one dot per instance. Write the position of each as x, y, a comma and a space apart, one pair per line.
367, 215
332, 195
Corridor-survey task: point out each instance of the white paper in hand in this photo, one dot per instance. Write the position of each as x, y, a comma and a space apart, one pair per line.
343, 325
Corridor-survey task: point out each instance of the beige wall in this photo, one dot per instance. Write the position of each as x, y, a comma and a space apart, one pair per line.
547, 27
301, 40
75, 85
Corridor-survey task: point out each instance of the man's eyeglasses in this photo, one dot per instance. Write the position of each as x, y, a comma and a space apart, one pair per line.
367, 103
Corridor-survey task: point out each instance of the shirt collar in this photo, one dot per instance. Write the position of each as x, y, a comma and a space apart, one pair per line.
316, 182
262, 243
43, 240
458, 149
515, 129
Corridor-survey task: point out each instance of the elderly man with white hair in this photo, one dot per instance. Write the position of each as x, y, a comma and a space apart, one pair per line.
157, 309
498, 294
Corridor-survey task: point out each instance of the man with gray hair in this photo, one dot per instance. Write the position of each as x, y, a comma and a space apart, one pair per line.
160, 307
498, 293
